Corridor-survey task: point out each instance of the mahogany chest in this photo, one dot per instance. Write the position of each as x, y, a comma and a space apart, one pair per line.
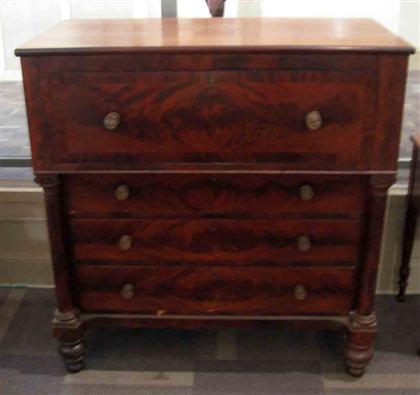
205, 173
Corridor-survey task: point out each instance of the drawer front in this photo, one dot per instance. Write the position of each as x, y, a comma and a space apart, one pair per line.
205, 195
121, 120
203, 242
163, 290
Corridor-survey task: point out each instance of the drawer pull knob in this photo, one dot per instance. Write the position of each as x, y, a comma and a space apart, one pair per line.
127, 291
122, 192
304, 243
313, 120
306, 192
125, 243
300, 292
111, 121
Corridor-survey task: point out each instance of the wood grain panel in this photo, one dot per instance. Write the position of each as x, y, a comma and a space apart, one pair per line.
239, 242
216, 116
214, 195
186, 290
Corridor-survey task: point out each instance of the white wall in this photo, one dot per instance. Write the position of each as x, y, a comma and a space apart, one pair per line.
21, 20
385, 11
400, 16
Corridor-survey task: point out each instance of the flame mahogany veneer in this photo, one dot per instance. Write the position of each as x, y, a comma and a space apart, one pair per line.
208, 173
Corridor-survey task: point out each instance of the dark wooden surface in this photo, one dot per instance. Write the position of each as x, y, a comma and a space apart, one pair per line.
228, 35
189, 195
216, 241
214, 116
215, 290
211, 153
67, 326
58, 237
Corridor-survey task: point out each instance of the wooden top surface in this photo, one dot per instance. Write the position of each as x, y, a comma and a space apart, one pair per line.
217, 34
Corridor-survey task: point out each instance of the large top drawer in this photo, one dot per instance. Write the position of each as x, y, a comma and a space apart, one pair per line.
134, 119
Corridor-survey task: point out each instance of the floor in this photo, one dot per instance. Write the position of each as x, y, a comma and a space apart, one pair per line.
228, 362
14, 140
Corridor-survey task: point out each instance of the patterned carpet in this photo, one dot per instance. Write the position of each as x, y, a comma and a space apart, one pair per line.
234, 362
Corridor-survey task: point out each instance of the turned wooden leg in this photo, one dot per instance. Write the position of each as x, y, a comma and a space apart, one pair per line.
67, 326
403, 283
407, 247
68, 329
359, 350
73, 353
362, 327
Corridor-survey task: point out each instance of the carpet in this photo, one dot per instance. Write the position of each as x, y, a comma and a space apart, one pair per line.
208, 362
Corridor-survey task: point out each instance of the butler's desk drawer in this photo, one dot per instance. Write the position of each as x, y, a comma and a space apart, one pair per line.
215, 290
204, 241
157, 195
320, 119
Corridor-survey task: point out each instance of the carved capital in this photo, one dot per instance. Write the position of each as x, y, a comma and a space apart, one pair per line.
68, 317
380, 183
363, 322
48, 181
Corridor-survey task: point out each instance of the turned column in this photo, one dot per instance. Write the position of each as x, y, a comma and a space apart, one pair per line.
363, 326
66, 324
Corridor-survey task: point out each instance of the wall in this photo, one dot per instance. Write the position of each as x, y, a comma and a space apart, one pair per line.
22, 20
24, 246
390, 260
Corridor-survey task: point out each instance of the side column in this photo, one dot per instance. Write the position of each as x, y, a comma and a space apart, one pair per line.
363, 327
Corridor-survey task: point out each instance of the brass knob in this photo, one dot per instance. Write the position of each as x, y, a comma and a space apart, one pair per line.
125, 243
306, 192
304, 243
313, 120
127, 291
300, 292
111, 120
122, 192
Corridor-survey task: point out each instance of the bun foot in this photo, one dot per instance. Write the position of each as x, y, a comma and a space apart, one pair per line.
400, 298
74, 367
358, 358
359, 350
355, 372
73, 354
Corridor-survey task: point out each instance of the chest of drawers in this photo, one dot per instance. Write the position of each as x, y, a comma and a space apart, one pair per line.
204, 173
